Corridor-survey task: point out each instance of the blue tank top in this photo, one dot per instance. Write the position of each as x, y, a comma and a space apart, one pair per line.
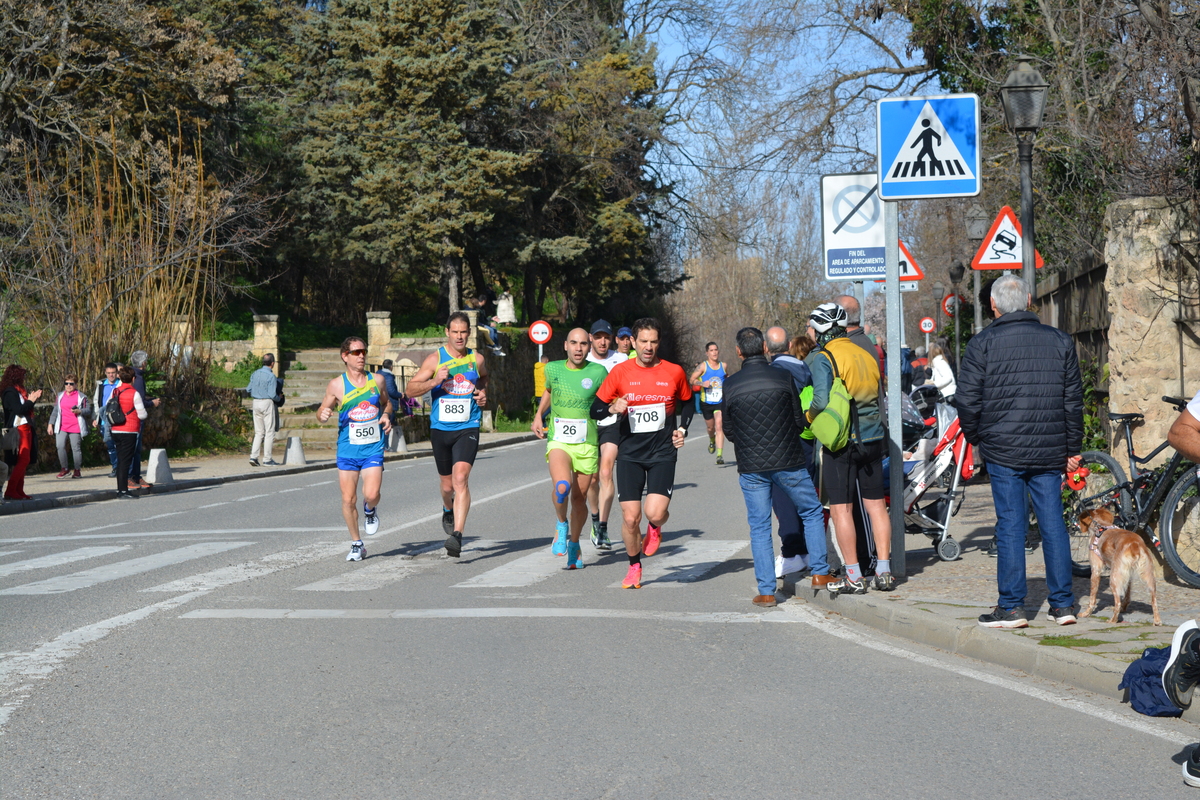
454, 406
360, 432
713, 394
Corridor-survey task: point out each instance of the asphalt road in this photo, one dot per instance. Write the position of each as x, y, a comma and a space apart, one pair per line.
216, 644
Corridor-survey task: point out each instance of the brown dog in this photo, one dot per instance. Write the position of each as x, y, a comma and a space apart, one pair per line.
1122, 552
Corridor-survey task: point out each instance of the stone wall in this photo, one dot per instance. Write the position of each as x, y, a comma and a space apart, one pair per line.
224, 355
1154, 329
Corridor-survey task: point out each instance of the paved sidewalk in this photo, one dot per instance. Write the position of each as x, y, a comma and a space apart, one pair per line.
189, 473
939, 602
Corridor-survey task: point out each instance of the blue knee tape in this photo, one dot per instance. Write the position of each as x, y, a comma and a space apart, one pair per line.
561, 490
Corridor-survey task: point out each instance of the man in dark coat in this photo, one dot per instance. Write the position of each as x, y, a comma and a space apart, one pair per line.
763, 420
1020, 401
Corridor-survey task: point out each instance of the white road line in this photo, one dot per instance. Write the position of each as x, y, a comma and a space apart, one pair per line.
198, 532
11, 553
285, 491
375, 574
227, 576
102, 527
251, 497
685, 560
473, 613
20, 671
213, 505
524, 571
322, 483
122, 569
160, 516
438, 515
58, 559
814, 618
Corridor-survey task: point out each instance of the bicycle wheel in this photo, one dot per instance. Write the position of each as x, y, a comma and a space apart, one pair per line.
1100, 490
1179, 527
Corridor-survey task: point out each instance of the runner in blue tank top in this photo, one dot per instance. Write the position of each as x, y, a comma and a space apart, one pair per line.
708, 380
361, 402
456, 379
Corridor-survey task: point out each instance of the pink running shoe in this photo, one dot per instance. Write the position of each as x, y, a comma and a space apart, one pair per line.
652, 541
633, 578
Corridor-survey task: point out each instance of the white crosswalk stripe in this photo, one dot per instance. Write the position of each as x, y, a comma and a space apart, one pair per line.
524, 571
679, 563
58, 559
10, 553
122, 569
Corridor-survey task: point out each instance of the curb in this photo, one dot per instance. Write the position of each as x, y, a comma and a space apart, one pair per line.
1082, 670
22, 506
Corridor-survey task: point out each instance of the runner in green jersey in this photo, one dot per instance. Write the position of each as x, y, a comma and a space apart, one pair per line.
572, 451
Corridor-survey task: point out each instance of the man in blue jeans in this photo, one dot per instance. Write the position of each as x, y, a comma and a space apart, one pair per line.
1020, 400
763, 420
104, 388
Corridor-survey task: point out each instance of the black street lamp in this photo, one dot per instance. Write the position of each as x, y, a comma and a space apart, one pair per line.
940, 292
956, 275
977, 228
1024, 98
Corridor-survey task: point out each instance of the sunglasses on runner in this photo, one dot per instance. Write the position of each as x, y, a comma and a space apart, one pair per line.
357, 352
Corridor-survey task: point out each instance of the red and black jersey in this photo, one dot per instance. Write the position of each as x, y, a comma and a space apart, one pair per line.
646, 390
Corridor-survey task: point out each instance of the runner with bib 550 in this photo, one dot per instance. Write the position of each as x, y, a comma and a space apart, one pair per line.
654, 401
456, 378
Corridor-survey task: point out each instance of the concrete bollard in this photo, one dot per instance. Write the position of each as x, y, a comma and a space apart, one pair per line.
158, 470
295, 452
396, 443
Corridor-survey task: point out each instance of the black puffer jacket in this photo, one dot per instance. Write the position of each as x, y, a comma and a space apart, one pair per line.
1020, 397
761, 416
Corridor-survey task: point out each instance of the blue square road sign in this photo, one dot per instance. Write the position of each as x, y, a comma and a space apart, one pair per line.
928, 147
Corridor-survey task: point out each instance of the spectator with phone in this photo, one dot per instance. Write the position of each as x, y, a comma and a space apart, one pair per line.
68, 426
20, 445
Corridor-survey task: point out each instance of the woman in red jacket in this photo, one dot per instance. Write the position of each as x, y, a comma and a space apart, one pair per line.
126, 434
18, 413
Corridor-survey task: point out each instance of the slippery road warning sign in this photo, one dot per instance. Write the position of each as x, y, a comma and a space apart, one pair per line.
1002, 247
852, 227
928, 147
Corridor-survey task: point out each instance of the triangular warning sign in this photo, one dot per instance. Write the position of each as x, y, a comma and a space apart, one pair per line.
1002, 247
909, 269
928, 152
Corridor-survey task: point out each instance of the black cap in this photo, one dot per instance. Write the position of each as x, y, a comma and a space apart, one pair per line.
601, 326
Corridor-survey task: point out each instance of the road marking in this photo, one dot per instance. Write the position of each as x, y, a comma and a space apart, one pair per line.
102, 527
370, 576
438, 515
58, 559
160, 516
524, 571
11, 553
474, 613
227, 576
123, 569
198, 532
19, 671
322, 483
297, 489
252, 497
814, 618
684, 561
213, 505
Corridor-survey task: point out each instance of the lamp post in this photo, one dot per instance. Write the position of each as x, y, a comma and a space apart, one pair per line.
956, 275
939, 292
977, 228
1024, 98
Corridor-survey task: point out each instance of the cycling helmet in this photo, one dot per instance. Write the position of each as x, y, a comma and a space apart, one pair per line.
827, 316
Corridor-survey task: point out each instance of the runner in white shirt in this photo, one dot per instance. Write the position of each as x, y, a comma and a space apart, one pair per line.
602, 492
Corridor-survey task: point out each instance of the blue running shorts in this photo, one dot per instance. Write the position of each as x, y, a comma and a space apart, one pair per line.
359, 464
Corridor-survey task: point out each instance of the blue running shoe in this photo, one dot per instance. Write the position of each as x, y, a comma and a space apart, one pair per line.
574, 556
559, 548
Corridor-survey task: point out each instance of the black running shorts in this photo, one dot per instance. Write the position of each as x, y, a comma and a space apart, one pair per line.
609, 434
453, 447
841, 470
708, 411
633, 476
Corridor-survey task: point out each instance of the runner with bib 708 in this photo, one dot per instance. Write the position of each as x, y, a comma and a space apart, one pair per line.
653, 398
363, 410
456, 378
573, 450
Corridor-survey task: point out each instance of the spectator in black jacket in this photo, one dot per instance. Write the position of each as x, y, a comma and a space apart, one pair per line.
793, 552
763, 420
1020, 401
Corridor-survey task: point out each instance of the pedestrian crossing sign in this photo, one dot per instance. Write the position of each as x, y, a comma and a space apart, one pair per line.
928, 147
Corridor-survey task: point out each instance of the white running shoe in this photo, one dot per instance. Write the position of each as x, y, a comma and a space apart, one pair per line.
357, 552
372, 518
786, 566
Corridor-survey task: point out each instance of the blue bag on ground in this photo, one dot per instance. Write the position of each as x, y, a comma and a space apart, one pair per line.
1143, 679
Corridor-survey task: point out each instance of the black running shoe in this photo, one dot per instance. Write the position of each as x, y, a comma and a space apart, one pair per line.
1183, 664
454, 544
999, 618
448, 522
846, 586
1063, 616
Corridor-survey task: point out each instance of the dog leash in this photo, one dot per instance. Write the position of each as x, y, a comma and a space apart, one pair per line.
1096, 536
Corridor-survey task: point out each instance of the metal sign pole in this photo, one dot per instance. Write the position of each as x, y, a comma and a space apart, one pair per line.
895, 322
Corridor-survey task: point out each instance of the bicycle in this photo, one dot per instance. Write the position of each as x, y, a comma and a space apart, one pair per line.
1101, 482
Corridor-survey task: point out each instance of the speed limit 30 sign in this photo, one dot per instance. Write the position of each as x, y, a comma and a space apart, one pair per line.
926, 324
540, 332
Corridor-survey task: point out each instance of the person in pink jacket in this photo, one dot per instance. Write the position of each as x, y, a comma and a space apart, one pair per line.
67, 425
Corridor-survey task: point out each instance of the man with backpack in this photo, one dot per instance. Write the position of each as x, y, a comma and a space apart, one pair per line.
859, 463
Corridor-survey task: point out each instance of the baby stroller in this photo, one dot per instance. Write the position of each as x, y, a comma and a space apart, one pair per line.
942, 461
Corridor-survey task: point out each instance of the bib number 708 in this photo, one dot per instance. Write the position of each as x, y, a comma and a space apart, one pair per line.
646, 419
